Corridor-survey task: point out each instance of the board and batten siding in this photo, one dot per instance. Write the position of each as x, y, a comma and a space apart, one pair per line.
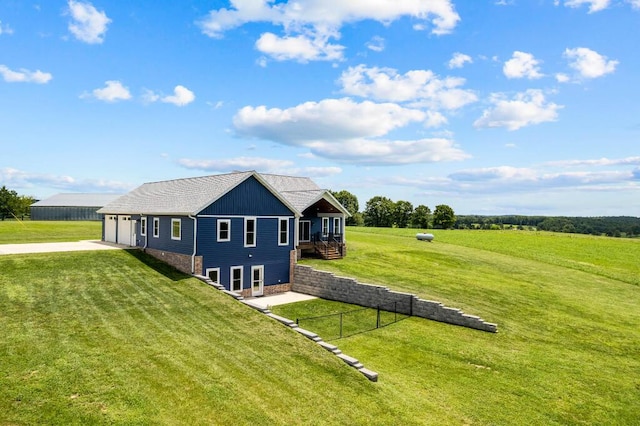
249, 198
164, 241
267, 252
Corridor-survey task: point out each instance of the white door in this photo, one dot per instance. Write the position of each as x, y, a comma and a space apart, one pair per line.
257, 280
125, 230
110, 226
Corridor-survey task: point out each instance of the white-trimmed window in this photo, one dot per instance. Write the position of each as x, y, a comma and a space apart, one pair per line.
176, 229
283, 231
236, 278
143, 226
250, 231
224, 230
156, 227
214, 275
325, 226
336, 225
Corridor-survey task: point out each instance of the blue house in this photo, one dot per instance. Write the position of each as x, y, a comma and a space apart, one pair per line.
243, 230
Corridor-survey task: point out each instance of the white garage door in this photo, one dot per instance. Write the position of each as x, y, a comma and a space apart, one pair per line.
110, 226
126, 230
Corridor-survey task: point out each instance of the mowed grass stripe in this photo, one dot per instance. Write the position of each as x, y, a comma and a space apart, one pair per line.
111, 337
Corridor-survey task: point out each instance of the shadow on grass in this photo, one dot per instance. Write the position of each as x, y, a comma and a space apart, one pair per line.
159, 266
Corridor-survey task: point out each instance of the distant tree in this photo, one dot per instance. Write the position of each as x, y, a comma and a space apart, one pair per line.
421, 217
379, 212
443, 217
402, 211
12, 204
350, 202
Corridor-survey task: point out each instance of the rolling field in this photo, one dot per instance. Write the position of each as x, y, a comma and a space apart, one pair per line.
116, 337
27, 231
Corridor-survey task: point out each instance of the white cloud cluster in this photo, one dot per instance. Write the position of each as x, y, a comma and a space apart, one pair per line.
113, 91
88, 24
18, 179
377, 43
347, 131
526, 108
594, 5
509, 180
260, 164
309, 25
5, 29
421, 87
458, 60
181, 96
24, 76
589, 63
522, 65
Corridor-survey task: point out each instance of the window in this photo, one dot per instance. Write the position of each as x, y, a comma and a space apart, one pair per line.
250, 225
336, 225
214, 275
224, 230
156, 227
304, 230
236, 278
283, 231
143, 226
176, 229
325, 226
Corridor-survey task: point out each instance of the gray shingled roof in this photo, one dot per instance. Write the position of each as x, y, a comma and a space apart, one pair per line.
77, 200
189, 196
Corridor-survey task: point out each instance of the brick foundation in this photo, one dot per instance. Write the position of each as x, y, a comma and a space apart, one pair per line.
181, 262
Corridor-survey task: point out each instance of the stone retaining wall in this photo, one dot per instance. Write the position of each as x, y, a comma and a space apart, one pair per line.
329, 286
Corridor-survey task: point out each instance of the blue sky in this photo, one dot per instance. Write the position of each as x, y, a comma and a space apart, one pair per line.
492, 107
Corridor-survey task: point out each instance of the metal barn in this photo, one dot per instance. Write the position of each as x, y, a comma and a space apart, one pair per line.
71, 206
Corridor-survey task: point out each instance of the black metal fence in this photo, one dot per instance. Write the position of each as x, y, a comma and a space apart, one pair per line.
356, 321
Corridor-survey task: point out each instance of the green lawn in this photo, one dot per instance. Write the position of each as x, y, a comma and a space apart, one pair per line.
27, 231
567, 348
116, 337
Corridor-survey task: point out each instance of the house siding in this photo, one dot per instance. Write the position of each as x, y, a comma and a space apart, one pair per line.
164, 241
267, 252
248, 198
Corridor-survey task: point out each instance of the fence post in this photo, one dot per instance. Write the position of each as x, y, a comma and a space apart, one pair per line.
378, 318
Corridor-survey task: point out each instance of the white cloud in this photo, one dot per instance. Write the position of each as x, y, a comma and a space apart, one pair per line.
300, 48
377, 43
435, 119
112, 92
344, 130
308, 25
88, 24
5, 29
562, 78
15, 178
524, 109
522, 65
628, 161
420, 86
181, 96
589, 63
24, 76
594, 5
328, 119
634, 3
458, 60
260, 164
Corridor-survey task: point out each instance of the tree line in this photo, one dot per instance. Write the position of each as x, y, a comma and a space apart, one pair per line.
13, 205
381, 211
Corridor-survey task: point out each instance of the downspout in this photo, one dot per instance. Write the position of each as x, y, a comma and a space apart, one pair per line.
146, 231
195, 243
